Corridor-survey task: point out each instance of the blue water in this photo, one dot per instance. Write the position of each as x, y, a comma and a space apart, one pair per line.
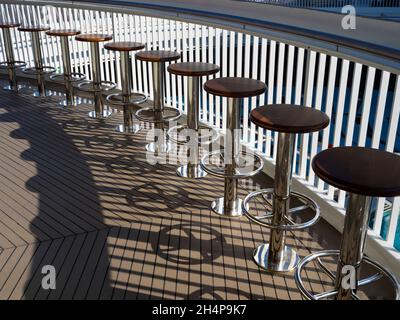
357, 125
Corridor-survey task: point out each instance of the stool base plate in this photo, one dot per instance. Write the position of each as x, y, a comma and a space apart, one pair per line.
288, 262
46, 93
101, 115
191, 171
121, 128
158, 147
71, 103
9, 88
217, 206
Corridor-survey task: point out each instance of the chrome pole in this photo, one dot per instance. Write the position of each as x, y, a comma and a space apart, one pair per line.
158, 85
230, 205
192, 169
280, 206
99, 111
10, 59
37, 55
158, 71
352, 244
67, 71
193, 103
126, 83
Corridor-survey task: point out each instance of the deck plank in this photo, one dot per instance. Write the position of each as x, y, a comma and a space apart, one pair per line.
77, 195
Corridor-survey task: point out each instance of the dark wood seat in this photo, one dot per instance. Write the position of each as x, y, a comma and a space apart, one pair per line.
34, 28
234, 87
63, 32
289, 118
124, 46
364, 171
158, 55
93, 37
9, 24
193, 69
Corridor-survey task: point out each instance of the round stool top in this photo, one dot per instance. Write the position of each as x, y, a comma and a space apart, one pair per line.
93, 37
364, 171
234, 87
193, 69
289, 118
63, 32
34, 28
9, 24
124, 46
158, 55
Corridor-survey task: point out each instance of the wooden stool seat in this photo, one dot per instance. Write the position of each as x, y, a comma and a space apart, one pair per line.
34, 28
158, 55
363, 171
9, 24
124, 46
289, 118
234, 87
193, 69
93, 37
63, 32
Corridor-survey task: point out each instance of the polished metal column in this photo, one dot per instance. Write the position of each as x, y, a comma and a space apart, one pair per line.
37, 54
230, 205
193, 169
99, 111
353, 242
8, 46
280, 258
158, 71
126, 82
70, 100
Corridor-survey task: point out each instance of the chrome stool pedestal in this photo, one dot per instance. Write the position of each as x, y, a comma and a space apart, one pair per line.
10, 64
39, 69
127, 99
158, 114
363, 173
96, 86
196, 133
231, 164
67, 77
288, 120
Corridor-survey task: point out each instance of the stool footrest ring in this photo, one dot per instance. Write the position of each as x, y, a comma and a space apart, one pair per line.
267, 198
63, 78
14, 64
205, 135
89, 86
39, 71
121, 100
329, 253
149, 115
247, 165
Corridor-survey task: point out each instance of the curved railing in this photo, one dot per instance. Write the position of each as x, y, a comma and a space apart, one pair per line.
362, 98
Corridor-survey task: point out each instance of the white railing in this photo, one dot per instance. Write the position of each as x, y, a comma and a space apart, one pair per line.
332, 3
363, 101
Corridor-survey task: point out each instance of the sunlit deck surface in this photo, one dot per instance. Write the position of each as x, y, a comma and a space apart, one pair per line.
77, 195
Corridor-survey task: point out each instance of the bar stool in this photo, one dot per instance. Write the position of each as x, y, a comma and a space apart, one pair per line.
127, 99
67, 77
158, 113
96, 86
363, 173
232, 164
287, 120
39, 70
194, 71
10, 64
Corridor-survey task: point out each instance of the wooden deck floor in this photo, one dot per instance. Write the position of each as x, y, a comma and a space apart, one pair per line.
76, 195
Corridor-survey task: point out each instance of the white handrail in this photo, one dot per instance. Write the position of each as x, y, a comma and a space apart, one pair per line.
361, 99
